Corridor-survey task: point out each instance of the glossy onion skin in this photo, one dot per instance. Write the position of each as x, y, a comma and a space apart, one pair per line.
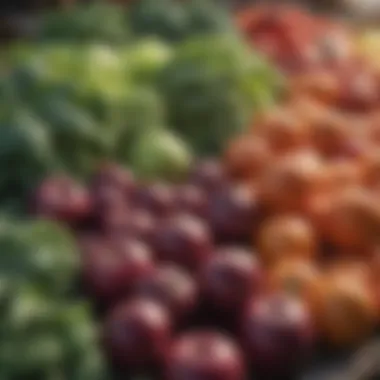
137, 334
232, 214
209, 175
61, 198
112, 267
277, 335
204, 355
230, 277
183, 240
171, 286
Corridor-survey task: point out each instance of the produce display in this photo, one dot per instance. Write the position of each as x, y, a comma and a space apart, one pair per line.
181, 253
296, 39
319, 189
368, 43
187, 195
45, 332
94, 102
100, 21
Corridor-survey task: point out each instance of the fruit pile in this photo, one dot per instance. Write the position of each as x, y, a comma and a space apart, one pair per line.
353, 89
174, 276
295, 39
196, 269
314, 170
368, 42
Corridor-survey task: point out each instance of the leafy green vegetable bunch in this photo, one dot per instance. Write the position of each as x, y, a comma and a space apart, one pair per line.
68, 107
44, 333
213, 88
148, 104
104, 22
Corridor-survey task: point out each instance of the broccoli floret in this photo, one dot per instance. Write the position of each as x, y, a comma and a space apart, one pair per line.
95, 22
160, 154
213, 87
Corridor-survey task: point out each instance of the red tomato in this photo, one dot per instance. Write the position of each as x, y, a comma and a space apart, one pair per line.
283, 129
291, 180
286, 237
344, 310
247, 156
296, 276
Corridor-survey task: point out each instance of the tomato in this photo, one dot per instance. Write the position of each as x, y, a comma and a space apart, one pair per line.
374, 265
344, 310
375, 261
321, 85
316, 208
305, 107
371, 168
330, 134
283, 129
352, 220
350, 268
293, 38
343, 174
247, 156
296, 276
359, 91
373, 127
291, 180
286, 237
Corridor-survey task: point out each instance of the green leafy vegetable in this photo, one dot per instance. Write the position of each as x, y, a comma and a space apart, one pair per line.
40, 253
213, 87
45, 333
94, 22
160, 154
94, 101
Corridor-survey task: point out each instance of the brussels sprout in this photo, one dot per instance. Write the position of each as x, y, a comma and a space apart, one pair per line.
101, 69
62, 60
140, 111
147, 58
213, 87
160, 154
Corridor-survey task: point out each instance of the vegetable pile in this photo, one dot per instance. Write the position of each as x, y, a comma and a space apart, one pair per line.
295, 39
278, 239
99, 21
314, 166
183, 267
368, 42
181, 253
45, 333
146, 104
